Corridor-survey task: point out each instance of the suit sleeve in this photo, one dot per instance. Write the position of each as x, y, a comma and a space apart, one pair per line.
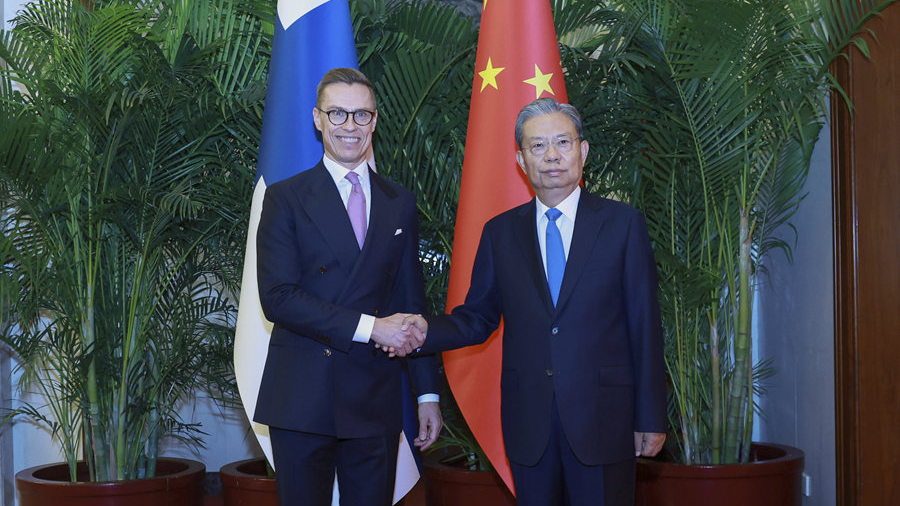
474, 321
283, 300
645, 329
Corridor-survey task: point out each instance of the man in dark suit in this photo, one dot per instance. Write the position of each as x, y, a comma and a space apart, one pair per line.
337, 246
573, 276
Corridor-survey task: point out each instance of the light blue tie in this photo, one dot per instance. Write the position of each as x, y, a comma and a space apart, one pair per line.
556, 255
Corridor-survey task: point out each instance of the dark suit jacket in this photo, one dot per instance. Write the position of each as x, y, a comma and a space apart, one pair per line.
314, 283
599, 352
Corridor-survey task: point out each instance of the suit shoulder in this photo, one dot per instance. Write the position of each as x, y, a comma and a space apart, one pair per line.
296, 181
504, 218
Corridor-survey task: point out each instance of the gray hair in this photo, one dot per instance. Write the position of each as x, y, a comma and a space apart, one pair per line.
543, 106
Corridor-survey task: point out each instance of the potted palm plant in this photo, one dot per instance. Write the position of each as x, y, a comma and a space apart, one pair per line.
717, 126
127, 131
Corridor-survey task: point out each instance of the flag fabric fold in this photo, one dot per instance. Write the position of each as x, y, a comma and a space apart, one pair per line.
517, 61
311, 37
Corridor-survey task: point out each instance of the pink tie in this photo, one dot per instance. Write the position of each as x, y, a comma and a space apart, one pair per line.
356, 208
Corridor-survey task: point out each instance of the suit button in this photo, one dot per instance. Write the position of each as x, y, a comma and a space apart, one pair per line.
550, 372
375, 312
322, 270
390, 272
326, 352
554, 331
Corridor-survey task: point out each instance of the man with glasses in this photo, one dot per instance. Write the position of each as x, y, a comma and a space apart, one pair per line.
574, 279
337, 248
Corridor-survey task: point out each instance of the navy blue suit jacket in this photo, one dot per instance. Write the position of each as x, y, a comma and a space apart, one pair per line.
599, 352
314, 283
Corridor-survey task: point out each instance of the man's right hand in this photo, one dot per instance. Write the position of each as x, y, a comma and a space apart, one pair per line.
391, 335
415, 321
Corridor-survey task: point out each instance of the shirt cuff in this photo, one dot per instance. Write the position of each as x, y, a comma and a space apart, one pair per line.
364, 329
429, 398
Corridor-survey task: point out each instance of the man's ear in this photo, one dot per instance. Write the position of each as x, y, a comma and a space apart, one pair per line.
521, 160
316, 119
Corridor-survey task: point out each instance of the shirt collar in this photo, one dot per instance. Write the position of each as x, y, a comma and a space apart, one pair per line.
339, 172
568, 207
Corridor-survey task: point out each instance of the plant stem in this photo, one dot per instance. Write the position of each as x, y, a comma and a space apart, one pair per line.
738, 388
716, 375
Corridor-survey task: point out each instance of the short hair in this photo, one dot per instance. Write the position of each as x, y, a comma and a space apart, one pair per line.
543, 106
342, 75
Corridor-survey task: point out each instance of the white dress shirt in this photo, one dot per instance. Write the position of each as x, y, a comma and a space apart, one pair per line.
565, 223
339, 174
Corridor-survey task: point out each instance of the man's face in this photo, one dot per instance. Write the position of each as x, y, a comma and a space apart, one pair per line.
554, 171
347, 144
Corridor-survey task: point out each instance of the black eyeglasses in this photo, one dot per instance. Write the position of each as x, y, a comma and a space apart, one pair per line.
338, 117
563, 145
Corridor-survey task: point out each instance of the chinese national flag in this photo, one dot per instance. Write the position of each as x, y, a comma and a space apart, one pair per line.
517, 61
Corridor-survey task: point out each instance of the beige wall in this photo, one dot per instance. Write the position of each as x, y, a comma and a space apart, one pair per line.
796, 328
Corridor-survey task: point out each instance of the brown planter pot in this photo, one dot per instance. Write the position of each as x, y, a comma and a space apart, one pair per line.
178, 482
453, 486
772, 478
245, 483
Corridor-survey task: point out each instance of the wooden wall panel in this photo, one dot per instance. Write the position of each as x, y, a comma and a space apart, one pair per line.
867, 271
7, 492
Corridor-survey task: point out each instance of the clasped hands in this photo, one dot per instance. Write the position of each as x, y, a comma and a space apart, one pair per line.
400, 334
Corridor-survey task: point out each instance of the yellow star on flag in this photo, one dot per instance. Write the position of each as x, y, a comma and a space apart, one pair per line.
541, 82
489, 75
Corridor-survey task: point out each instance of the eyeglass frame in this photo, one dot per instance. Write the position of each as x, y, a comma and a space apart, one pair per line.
555, 144
349, 114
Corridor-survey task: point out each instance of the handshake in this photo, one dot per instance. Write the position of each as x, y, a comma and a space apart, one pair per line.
400, 334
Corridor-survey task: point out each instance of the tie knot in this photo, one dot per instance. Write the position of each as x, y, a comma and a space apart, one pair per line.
353, 177
553, 213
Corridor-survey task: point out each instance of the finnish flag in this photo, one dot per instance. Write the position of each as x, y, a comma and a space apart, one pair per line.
311, 37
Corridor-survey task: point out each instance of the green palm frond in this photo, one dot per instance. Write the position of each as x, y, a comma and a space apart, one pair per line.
581, 23
133, 129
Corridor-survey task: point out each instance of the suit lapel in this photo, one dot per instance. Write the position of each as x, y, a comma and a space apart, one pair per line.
323, 204
526, 232
383, 223
385, 214
588, 222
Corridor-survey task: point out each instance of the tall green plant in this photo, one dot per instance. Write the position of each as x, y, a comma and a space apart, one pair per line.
130, 130
732, 103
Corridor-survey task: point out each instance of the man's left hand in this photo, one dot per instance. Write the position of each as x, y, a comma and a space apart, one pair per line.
430, 423
648, 444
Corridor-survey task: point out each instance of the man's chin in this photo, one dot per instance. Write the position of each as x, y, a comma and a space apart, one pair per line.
351, 160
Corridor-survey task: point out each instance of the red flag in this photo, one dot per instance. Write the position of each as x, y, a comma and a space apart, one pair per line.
517, 61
